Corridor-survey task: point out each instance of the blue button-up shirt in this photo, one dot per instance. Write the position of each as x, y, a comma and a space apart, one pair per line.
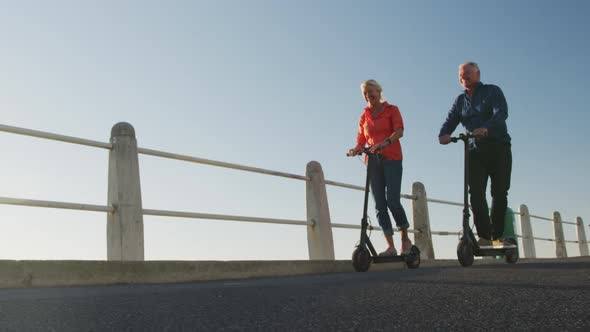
486, 108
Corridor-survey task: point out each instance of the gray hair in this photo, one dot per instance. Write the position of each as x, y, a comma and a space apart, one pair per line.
470, 63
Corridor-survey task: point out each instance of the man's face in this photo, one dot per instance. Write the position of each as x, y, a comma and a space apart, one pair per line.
468, 76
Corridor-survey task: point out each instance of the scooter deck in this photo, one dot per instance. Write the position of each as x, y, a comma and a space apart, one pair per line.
500, 247
388, 259
493, 251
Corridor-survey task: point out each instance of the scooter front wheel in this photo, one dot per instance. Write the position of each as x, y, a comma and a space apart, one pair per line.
361, 259
511, 255
413, 259
465, 253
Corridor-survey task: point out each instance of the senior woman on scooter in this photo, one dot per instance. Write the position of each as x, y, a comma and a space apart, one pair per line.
381, 127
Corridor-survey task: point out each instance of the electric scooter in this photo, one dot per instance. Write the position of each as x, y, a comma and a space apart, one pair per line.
468, 247
365, 253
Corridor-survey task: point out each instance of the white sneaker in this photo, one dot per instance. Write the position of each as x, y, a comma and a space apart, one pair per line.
502, 243
484, 242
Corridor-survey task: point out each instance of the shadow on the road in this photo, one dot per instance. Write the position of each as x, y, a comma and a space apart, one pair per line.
535, 266
450, 274
480, 283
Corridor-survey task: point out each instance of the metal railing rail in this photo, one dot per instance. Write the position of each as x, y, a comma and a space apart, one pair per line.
216, 163
541, 218
440, 201
196, 215
370, 227
355, 187
54, 137
56, 205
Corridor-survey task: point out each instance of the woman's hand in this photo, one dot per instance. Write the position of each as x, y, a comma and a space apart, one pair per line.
378, 147
354, 152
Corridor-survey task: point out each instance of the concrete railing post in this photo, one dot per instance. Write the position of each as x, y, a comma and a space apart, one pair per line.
582, 242
125, 225
560, 250
319, 236
528, 241
421, 220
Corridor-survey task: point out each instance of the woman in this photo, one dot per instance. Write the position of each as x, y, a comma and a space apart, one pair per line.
381, 126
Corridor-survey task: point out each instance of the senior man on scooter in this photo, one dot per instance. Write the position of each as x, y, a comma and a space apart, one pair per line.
482, 110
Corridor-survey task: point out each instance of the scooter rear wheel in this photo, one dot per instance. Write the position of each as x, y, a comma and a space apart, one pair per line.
465, 253
511, 255
361, 259
413, 259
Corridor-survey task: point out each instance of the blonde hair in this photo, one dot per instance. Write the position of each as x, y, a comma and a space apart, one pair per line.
374, 84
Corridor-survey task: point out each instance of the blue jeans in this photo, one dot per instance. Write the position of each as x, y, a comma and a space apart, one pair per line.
386, 183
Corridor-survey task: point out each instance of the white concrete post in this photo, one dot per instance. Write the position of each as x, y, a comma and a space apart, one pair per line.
528, 241
582, 242
560, 250
421, 220
125, 225
319, 236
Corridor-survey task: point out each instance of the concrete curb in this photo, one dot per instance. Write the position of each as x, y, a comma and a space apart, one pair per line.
22, 274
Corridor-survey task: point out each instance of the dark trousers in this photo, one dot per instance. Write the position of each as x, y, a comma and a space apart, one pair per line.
491, 160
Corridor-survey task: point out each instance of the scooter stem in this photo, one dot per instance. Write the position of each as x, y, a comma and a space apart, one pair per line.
364, 221
465, 140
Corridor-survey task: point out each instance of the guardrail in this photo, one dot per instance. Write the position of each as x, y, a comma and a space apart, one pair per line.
125, 239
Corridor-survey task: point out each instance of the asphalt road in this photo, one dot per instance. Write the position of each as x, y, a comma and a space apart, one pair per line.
527, 296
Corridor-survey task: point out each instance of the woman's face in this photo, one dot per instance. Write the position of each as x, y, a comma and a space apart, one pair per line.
372, 95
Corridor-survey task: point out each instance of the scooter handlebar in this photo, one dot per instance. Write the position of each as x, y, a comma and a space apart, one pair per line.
462, 137
365, 150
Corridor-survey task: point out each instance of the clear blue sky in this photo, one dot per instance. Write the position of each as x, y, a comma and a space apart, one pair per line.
275, 84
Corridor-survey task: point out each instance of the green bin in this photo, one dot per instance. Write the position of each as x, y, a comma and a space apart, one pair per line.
509, 224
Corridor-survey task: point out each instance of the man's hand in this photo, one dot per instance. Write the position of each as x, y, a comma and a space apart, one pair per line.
480, 132
444, 139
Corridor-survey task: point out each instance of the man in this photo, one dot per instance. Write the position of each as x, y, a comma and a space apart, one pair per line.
482, 110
